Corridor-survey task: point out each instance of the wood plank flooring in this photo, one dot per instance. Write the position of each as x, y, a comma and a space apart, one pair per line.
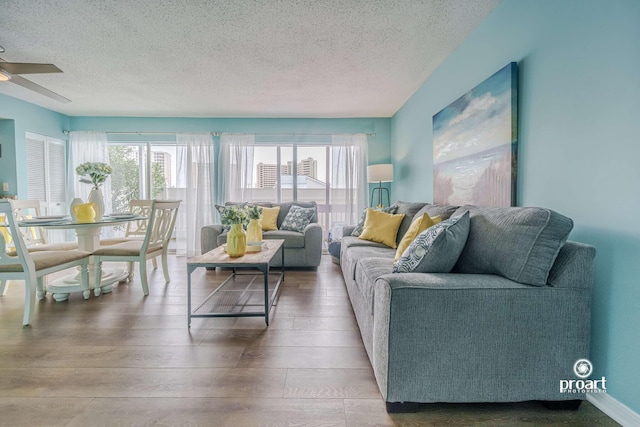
125, 360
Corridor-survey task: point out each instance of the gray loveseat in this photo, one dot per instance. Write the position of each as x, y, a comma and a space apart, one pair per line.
300, 249
474, 335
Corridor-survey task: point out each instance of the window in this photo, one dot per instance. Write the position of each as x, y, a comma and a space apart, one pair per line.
143, 170
332, 175
46, 179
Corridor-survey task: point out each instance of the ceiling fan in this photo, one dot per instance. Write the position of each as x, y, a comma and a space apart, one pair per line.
9, 71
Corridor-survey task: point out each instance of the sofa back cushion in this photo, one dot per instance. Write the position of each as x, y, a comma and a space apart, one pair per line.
443, 211
520, 244
409, 210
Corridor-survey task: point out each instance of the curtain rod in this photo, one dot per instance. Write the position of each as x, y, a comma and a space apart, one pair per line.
66, 132
216, 133
297, 134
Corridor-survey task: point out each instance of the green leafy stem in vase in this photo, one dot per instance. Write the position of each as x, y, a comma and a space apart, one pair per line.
254, 212
96, 172
234, 215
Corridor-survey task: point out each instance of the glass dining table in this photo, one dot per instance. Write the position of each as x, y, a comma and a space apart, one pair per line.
88, 234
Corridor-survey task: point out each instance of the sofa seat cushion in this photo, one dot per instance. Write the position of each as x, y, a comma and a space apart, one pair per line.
520, 244
349, 241
367, 272
292, 239
353, 255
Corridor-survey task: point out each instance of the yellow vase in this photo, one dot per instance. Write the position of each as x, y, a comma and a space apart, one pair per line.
236, 241
85, 212
254, 231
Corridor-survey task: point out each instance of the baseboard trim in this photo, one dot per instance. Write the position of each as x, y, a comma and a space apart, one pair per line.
620, 413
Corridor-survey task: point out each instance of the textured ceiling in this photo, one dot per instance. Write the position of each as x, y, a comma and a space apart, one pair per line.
233, 58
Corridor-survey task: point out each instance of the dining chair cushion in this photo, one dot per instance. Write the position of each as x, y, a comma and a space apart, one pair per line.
116, 240
47, 259
63, 246
131, 248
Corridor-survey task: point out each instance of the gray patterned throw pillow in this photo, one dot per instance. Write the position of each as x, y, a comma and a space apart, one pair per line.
297, 219
358, 230
436, 249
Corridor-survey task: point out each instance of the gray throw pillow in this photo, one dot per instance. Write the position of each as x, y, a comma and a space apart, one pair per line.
519, 243
358, 230
436, 249
297, 219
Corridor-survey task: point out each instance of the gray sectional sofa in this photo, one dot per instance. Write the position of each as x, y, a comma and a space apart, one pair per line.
505, 325
300, 249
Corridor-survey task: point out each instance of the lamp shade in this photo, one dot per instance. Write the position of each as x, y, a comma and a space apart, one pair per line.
380, 173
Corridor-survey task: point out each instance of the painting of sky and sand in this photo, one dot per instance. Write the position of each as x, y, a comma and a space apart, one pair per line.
475, 144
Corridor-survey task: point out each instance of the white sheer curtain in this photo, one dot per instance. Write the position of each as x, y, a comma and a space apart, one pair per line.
236, 167
87, 147
349, 187
195, 177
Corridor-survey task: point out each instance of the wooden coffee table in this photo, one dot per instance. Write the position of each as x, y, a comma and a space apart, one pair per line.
241, 289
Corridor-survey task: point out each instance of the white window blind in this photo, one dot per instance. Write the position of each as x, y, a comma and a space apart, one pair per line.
36, 173
46, 172
56, 172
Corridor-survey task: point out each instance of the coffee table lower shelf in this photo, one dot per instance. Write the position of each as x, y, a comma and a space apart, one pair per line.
235, 295
238, 293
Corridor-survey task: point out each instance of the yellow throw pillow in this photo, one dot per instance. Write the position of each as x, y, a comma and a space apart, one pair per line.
270, 218
417, 226
381, 227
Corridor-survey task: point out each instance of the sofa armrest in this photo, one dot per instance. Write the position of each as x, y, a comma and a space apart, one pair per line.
209, 237
313, 243
573, 267
430, 328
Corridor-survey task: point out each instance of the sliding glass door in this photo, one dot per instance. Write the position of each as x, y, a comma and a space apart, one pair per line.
292, 172
142, 170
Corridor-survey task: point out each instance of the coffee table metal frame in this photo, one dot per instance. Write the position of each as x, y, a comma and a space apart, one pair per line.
218, 258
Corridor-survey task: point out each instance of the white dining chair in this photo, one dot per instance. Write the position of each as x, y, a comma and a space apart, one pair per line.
135, 229
33, 266
162, 220
35, 238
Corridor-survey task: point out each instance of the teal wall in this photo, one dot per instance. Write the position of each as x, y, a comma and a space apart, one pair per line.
579, 151
8, 155
26, 117
17, 117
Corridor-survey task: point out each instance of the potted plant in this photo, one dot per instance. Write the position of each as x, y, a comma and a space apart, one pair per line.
254, 229
237, 237
96, 174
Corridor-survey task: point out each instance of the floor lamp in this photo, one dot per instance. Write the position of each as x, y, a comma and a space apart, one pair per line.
380, 173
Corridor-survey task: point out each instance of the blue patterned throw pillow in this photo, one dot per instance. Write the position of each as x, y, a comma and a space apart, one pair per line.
436, 249
358, 230
297, 218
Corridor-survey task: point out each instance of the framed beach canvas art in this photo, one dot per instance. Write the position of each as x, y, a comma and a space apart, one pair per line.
475, 142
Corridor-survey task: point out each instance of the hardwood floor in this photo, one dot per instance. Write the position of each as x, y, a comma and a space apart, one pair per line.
123, 359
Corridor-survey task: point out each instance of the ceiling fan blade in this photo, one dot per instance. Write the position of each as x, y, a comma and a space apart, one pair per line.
21, 81
28, 68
